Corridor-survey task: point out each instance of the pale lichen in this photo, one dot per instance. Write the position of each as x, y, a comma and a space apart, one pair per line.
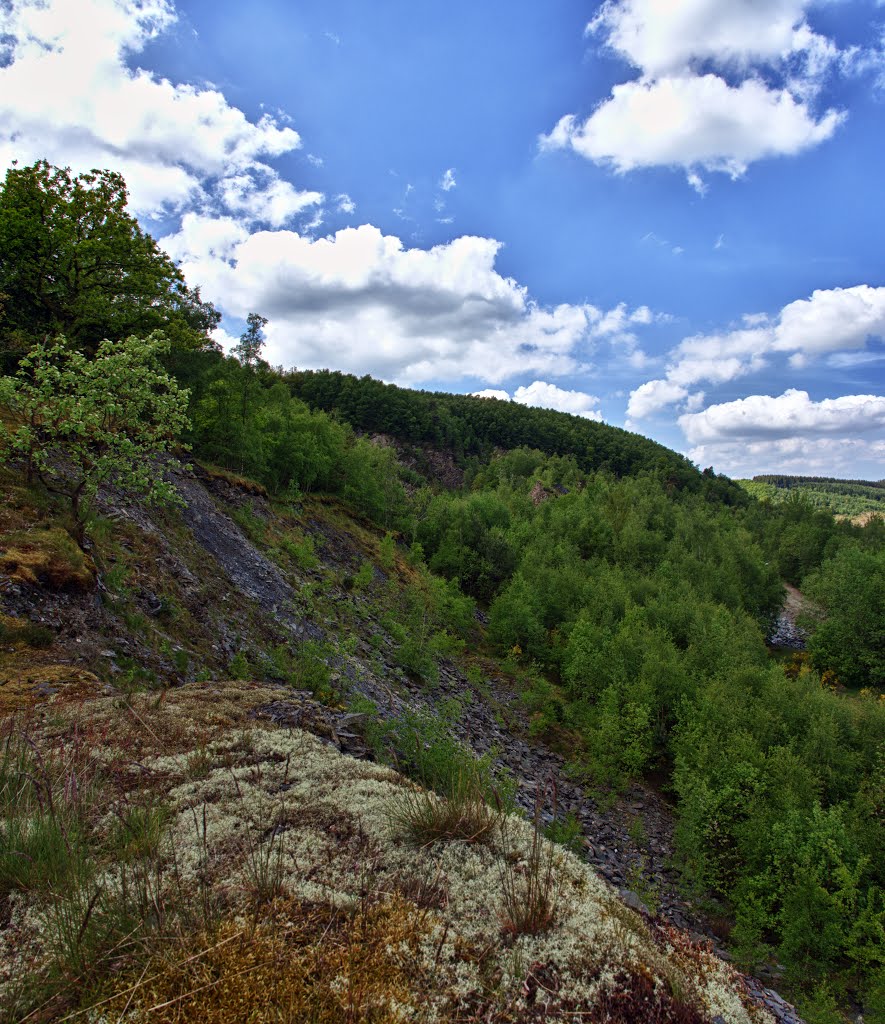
278, 810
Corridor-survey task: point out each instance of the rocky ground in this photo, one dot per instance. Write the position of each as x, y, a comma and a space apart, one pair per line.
787, 633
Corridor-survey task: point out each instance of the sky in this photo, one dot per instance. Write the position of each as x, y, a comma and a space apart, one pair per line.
664, 214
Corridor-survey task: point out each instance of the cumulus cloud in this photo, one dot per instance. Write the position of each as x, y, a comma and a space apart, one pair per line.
789, 432
265, 197
548, 396
816, 456
345, 203
660, 36
693, 121
362, 301
830, 321
69, 94
791, 414
653, 395
722, 84
835, 320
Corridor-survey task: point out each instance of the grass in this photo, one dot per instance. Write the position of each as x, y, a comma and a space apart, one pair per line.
242, 483
239, 871
47, 554
21, 631
422, 818
42, 832
264, 864
530, 885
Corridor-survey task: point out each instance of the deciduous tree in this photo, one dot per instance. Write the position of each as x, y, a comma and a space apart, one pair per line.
73, 261
81, 422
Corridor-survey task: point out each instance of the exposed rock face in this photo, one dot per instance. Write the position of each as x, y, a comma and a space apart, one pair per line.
539, 494
437, 467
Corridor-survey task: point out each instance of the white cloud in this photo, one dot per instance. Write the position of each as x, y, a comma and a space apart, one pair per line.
789, 415
835, 320
692, 121
662, 36
362, 301
831, 320
790, 433
265, 198
502, 396
694, 401
721, 84
68, 94
648, 398
447, 182
71, 91
549, 396
542, 395
848, 359
818, 456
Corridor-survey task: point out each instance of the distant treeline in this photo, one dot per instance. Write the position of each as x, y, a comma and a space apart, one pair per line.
839, 497
797, 481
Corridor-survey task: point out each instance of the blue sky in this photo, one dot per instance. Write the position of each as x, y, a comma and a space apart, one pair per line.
663, 213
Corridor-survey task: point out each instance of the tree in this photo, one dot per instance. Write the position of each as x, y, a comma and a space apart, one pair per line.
248, 349
81, 422
74, 262
851, 639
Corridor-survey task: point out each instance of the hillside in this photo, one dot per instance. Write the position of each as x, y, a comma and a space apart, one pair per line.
168, 598
476, 427
215, 806
840, 497
596, 640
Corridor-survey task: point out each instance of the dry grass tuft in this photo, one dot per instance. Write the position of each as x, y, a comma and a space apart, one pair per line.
422, 818
242, 483
47, 555
530, 885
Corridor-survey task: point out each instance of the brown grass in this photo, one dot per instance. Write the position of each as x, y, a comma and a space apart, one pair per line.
422, 818
304, 964
47, 555
242, 483
530, 885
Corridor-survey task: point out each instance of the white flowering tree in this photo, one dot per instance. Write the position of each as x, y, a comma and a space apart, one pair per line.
76, 423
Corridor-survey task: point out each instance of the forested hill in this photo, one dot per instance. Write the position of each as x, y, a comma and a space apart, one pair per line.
780, 480
841, 497
468, 426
